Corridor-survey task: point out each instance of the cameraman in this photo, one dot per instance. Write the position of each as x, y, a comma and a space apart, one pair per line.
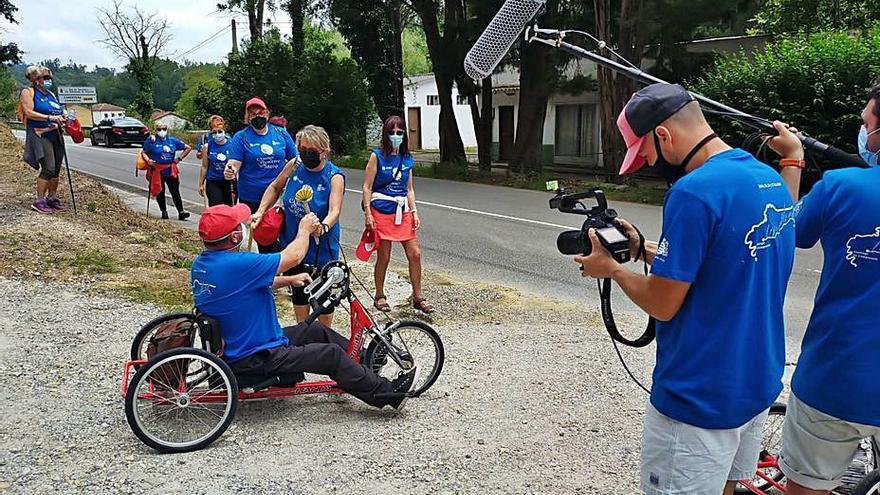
717, 286
835, 400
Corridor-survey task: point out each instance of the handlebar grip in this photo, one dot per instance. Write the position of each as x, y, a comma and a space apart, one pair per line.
311, 318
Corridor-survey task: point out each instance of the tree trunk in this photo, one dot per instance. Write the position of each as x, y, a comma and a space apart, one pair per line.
451, 145
397, 61
534, 93
255, 18
484, 127
296, 12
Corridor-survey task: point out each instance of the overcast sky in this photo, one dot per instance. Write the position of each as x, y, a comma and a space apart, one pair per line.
69, 30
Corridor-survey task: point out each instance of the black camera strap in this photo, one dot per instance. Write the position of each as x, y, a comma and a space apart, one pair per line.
607, 315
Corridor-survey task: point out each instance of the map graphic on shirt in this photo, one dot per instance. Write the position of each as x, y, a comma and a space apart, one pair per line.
863, 247
773, 223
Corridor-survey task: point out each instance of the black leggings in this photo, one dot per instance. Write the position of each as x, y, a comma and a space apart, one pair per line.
219, 192
173, 186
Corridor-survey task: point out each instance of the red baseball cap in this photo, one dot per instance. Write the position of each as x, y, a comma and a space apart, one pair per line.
269, 229
367, 245
219, 221
648, 108
255, 102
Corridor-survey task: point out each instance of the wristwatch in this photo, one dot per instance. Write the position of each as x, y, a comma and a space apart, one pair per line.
326, 228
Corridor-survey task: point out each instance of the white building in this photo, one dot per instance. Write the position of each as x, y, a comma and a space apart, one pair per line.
103, 111
171, 119
571, 133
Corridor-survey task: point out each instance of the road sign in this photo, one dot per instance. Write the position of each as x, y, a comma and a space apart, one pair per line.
77, 94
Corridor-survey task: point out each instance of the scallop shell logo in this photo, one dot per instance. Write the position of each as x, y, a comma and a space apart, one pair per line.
266, 149
221, 157
166, 149
54, 105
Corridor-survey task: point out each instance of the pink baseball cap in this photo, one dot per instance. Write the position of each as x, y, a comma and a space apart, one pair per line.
648, 108
255, 102
367, 245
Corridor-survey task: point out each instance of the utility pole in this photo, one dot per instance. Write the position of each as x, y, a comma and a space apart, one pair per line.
234, 38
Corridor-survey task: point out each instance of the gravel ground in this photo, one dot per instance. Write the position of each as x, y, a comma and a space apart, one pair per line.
523, 405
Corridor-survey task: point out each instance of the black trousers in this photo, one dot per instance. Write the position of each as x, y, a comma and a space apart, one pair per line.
219, 192
276, 246
173, 186
317, 349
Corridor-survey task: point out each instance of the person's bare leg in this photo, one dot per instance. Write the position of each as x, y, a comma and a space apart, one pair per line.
383, 259
42, 187
729, 487
327, 320
53, 187
792, 488
414, 257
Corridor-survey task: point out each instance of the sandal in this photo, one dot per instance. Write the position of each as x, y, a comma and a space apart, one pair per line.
421, 304
384, 306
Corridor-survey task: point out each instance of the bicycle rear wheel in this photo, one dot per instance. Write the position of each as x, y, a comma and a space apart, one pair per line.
771, 443
870, 484
142, 339
413, 343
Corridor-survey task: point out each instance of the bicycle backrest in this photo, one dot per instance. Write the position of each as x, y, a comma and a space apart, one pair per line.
209, 333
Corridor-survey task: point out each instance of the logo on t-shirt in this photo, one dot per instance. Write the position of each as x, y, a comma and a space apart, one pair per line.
221, 157
772, 224
863, 247
54, 105
266, 149
166, 149
200, 289
662, 248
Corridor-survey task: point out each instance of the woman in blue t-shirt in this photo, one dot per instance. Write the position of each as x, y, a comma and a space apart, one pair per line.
160, 151
44, 149
214, 157
390, 210
327, 183
213, 122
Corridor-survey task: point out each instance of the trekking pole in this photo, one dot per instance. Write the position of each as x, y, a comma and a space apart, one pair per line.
67, 166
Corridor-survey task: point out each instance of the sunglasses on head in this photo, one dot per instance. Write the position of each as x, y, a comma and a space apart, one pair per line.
395, 133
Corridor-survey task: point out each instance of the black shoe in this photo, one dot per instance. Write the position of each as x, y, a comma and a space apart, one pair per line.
183, 215
402, 385
164, 215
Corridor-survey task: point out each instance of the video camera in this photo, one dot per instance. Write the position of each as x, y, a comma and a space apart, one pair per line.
600, 217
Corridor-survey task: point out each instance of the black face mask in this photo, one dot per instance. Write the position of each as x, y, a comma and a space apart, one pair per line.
670, 172
311, 159
259, 122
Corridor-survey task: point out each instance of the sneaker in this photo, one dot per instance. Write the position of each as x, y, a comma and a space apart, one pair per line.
56, 204
183, 215
402, 385
164, 215
41, 206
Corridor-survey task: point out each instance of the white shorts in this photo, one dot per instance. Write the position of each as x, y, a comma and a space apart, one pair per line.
678, 458
818, 448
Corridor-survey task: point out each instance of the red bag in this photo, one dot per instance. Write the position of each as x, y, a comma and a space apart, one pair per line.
269, 229
74, 130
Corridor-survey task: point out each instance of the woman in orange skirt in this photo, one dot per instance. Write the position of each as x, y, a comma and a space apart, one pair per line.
390, 210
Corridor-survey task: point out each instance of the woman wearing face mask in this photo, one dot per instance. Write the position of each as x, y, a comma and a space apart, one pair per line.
213, 122
391, 212
160, 152
327, 183
257, 154
214, 158
42, 113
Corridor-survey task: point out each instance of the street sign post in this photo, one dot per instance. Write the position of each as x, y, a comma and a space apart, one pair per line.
77, 94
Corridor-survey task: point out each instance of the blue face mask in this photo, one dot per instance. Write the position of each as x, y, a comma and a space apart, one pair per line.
47, 84
396, 140
870, 157
219, 136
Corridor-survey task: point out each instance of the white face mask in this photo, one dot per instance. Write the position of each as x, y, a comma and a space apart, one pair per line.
162, 134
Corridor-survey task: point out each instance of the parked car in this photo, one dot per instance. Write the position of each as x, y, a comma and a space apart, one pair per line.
119, 130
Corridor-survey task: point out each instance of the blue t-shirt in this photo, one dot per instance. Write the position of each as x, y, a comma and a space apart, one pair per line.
392, 175
163, 151
328, 249
728, 229
262, 159
218, 155
236, 289
47, 104
840, 353
203, 140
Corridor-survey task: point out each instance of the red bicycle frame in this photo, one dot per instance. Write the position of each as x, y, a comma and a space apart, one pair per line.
767, 462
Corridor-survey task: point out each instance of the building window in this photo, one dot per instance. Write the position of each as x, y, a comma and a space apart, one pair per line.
433, 100
576, 130
461, 100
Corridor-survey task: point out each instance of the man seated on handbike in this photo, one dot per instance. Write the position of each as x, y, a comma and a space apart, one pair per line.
235, 288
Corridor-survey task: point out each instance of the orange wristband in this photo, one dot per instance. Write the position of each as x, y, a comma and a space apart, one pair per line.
792, 162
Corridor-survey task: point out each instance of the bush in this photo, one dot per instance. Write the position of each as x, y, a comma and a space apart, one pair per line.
817, 83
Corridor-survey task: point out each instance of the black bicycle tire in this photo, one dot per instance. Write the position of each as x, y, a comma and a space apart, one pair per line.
438, 344
132, 391
138, 340
870, 484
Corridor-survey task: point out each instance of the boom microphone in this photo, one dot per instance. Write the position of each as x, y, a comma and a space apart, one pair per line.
499, 35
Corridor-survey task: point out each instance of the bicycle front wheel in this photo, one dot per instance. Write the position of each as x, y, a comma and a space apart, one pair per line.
414, 343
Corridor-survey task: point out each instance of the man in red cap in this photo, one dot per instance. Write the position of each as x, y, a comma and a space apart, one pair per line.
257, 154
235, 288
717, 287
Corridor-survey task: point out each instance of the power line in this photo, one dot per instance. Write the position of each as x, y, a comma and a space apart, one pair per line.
205, 42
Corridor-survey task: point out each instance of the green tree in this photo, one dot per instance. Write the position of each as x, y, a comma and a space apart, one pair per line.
202, 99
9, 91
119, 89
9, 52
797, 16
415, 52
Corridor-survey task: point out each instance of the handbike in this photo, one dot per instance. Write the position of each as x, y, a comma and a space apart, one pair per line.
183, 399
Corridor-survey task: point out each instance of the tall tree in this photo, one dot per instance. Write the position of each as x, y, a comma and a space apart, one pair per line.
372, 30
296, 11
447, 57
140, 38
794, 16
9, 52
255, 10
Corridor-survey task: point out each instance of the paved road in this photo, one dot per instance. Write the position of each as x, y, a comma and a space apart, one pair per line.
493, 234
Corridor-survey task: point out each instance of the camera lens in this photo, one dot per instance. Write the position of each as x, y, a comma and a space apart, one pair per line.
572, 242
